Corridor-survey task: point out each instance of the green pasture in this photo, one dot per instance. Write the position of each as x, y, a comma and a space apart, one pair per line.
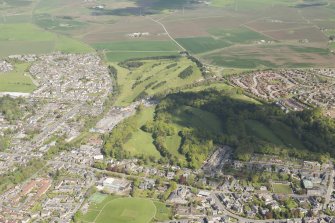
25, 38
17, 80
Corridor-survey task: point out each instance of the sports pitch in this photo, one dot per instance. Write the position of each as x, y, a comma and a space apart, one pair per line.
121, 210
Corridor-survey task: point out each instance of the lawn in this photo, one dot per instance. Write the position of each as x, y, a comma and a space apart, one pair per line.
163, 212
281, 188
17, 80
127, 210
141, 143
202, 44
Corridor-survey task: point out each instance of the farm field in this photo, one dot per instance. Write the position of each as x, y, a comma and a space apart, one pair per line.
16, 80
108, 208
281, 188
29, 39
202, 44
225, 33
153, 77
271, 56
119, 56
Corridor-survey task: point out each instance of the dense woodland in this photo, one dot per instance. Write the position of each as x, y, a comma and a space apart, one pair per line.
305, 135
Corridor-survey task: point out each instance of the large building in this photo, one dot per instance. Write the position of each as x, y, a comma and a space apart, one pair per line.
115, 185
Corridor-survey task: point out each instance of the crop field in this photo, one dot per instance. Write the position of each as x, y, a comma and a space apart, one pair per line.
16, 80
271, 56
124, 210
211, 32
27, 38
281, 188
153, 77
202, 44
119, 56
137, 46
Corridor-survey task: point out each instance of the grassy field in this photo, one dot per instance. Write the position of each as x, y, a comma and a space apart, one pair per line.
124, 210
17, 80
281, 188
141, 142
277, 133
26, 38
163, 213
262, 131
153, 77
196, 118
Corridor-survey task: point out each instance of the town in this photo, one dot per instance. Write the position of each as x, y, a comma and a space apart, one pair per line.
294, 89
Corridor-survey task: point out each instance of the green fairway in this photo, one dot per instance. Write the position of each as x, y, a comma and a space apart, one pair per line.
153, 77
17, 80
202, 44
281, 188
25, 38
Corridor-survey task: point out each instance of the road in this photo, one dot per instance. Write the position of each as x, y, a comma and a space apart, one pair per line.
242, 219
329, 190
167, 32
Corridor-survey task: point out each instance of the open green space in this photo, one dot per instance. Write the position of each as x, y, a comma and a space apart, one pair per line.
17, 80
141, 143
281, 188
262, 131
163, 213
186, 116
124, 210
